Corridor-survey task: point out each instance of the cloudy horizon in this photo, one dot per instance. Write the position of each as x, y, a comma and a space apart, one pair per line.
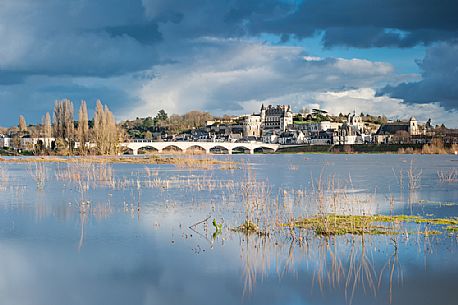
397, 58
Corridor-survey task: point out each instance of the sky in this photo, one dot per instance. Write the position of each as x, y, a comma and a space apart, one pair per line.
392, 57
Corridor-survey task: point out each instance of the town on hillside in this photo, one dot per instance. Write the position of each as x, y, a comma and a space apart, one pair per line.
272, 125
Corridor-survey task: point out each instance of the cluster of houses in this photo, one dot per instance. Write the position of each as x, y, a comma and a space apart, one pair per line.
278, 125
26, 142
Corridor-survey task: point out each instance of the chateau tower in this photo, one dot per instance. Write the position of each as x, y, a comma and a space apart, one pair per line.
413, 127
263, 113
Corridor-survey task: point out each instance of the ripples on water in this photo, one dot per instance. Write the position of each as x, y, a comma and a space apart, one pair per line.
134, 234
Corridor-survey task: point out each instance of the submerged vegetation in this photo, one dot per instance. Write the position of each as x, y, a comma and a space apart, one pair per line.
327, 225
248, 227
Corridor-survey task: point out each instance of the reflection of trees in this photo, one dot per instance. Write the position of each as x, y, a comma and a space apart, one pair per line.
256, 259
83, 220
338, 264
98, 211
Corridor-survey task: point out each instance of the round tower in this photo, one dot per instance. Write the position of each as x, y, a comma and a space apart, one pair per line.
413, 126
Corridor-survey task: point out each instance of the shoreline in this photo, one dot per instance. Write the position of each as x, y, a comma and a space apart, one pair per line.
401, 149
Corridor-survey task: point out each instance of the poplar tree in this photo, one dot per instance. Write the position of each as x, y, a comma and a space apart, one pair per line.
111, 136
105, 131
64, 126
98, 128
22, 124
47, 128
83, 127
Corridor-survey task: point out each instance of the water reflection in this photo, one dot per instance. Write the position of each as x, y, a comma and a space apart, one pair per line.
144, 234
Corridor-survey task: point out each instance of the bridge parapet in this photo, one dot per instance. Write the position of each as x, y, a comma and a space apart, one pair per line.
137, 144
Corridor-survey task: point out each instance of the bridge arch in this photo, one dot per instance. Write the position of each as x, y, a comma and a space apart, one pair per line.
263, 149
172, 148
241, 148
147, 149
220, 149
196, 149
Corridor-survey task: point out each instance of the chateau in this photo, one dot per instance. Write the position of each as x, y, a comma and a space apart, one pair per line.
271, 118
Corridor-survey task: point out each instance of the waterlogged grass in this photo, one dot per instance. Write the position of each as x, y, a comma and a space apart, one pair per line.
452, 228
328, 225
249, 227
182, 161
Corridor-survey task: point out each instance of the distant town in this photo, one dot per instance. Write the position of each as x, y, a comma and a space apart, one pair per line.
273, 125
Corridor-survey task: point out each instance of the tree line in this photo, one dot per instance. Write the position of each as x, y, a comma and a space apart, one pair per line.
144, 128
100, 135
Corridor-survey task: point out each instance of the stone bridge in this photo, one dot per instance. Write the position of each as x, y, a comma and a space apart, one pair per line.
135, 145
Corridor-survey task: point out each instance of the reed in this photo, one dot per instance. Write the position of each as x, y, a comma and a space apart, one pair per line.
414, 176
39, 174
448, 176
4, 178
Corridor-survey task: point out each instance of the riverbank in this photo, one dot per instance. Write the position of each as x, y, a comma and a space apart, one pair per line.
371, 149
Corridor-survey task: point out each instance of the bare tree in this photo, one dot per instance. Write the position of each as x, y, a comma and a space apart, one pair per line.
83, 127
47, 128
111, 134
22, 124
64, 126
98, 129
105, 131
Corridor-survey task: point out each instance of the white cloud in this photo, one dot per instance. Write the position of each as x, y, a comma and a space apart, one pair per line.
362, 66
312, 58
365, 100
229, 76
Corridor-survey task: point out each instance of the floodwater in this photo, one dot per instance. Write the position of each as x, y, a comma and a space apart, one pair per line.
143, 234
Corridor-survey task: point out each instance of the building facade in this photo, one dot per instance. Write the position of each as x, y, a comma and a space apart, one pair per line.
278, 117
252, 126
388, 131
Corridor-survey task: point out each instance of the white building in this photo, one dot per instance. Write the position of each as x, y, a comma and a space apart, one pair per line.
37, 143
387, 131
252, 126
318, 126
279, 117
269, 136
355, 120
5, 142
292, 137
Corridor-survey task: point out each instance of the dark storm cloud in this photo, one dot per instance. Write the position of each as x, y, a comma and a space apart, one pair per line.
439, 79
103, 38
79, 38
361, 23
11, 77
36, 95
52, 39
143, 33
365, 37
